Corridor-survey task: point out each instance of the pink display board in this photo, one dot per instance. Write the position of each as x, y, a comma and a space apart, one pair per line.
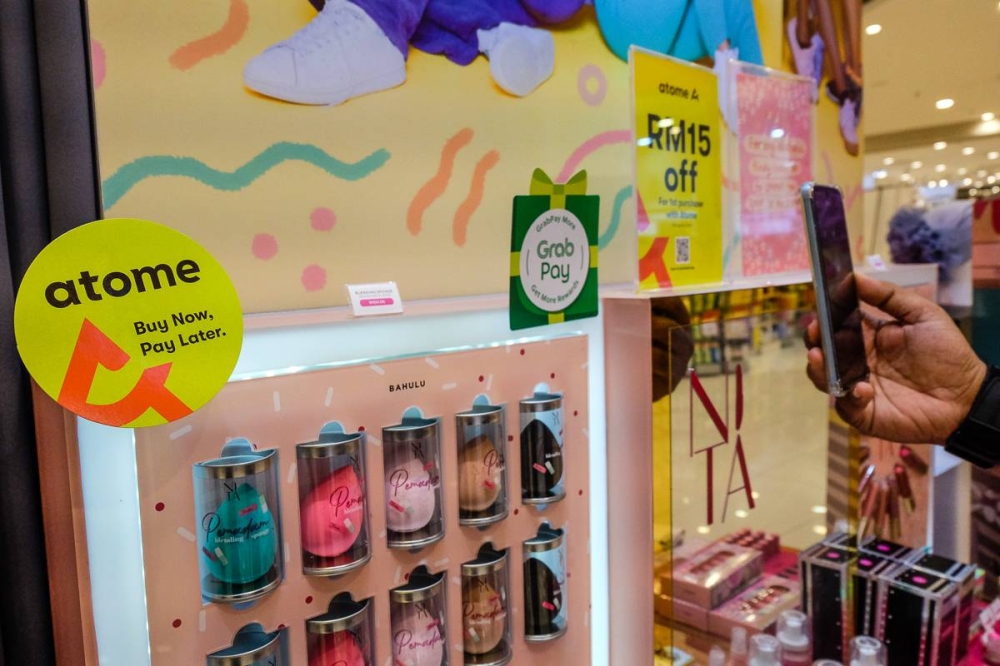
775, 158
282, 411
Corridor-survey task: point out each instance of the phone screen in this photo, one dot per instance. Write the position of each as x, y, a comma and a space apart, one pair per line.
838, 283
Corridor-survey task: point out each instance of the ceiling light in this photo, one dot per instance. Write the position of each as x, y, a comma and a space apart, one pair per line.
916, 165
943, 183
880, 174
981, 173
940, 145
906, 178
966, 182
996, 188
945, 103
973, 191
889, 161
979, 183
992, 155
991, 179
968, 150
873, 29
962, 171
932, 184
988, 116
940, 168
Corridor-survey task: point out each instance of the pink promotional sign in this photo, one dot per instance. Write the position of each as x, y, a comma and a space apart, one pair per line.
775, 158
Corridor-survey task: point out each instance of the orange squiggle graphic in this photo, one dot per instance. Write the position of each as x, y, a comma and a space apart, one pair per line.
217, 43
474, 198
436, 186
94, 349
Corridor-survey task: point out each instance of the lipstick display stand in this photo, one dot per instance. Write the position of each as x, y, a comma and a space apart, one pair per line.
286, 409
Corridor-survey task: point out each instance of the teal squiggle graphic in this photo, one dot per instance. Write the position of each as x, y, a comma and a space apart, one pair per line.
151, 166
616, 218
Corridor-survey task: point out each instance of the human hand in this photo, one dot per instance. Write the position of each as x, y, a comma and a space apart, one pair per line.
924, 375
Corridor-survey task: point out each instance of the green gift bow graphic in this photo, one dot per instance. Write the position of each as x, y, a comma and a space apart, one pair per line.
544, 195
542, 185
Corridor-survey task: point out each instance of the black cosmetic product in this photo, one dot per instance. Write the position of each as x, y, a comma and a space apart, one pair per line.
825, 578
963, 575
867, 572
919, 618
544, 585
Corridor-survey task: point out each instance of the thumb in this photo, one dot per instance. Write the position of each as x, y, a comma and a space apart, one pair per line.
905, 306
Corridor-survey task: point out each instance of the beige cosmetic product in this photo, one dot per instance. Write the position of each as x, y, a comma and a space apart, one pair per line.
485, 618
482, 472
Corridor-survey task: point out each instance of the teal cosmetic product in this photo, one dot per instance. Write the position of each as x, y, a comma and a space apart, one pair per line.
238, 524
252, 646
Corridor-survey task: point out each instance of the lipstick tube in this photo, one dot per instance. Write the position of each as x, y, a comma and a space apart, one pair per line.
913, 460
905, 490
895, 524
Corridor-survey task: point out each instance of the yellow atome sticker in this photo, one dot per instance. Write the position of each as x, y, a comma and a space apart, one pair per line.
129, 323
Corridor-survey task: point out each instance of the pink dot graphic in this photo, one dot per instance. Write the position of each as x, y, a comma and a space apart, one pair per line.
264, 246
98, 62
322, 219
314, 277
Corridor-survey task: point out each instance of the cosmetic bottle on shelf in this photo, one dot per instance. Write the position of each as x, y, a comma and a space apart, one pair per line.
793, 634
738, 648
765, 650
867, 651
717, 656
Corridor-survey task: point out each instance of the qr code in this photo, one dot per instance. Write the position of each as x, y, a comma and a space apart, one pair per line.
682, 250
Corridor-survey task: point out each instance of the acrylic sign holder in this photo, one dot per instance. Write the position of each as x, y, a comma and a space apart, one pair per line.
286, 409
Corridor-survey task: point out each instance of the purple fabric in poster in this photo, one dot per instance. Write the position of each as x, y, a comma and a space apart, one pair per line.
448, 27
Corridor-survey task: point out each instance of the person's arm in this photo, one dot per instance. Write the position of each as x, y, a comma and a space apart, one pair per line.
925, 377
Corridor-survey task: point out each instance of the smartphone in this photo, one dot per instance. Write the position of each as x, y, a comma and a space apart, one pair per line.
836, 293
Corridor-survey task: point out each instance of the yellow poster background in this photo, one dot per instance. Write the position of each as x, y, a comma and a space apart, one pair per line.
292, 234
678, 172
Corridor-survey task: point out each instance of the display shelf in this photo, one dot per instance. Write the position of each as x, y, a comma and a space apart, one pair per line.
110, 501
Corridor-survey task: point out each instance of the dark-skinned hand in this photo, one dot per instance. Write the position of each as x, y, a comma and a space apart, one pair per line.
924, 375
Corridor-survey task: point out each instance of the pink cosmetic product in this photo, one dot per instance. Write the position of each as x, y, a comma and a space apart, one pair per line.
344, 635
716, 574
756, 609
413, 494
333, 507
482, 468
793, 634
418, 611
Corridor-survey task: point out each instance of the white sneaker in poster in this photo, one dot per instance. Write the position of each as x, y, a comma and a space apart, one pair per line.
521, 58
340, 54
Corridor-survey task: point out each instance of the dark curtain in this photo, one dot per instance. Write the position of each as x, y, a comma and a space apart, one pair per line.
48, 184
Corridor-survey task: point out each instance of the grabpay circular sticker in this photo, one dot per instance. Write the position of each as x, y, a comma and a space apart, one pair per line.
128, 323
555, 259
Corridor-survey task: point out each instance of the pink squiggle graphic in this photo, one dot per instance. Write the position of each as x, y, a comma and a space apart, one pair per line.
98, 62
589, 146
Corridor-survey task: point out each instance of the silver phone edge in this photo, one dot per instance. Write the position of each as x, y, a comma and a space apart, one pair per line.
834, 386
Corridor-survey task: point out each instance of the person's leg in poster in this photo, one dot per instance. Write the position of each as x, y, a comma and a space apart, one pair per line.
349, 49
521, 54
807, 46
843, 89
